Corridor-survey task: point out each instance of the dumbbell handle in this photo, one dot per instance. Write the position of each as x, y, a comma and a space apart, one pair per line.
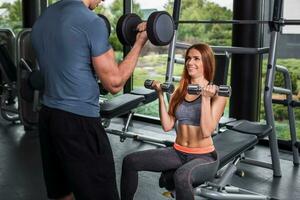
165, 87
222, 90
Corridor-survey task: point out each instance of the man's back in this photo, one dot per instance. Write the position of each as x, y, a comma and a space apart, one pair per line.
65, 38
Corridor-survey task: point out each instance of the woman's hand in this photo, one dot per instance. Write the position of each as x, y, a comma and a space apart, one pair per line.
209, 91
156, 86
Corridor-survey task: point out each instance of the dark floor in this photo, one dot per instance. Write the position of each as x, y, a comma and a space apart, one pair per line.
21, 174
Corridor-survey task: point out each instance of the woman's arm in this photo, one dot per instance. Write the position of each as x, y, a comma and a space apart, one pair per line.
212, 108
167, 121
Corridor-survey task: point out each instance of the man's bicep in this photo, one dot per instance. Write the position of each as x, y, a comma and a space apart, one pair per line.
105, 67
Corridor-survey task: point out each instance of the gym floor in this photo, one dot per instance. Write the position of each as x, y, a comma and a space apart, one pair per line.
21, 172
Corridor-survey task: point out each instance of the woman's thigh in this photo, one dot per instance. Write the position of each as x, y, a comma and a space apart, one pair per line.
156, 160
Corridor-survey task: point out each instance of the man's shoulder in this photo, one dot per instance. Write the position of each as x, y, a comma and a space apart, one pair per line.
76, 8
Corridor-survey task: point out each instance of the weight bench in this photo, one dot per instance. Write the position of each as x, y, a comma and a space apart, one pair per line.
230, 145
125, 104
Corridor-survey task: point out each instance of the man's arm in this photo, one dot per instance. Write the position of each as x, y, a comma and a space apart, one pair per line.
112, 75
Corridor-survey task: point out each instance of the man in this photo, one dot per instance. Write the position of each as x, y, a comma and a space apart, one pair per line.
71, 43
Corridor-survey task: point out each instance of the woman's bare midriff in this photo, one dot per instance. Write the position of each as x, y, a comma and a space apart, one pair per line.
192, 137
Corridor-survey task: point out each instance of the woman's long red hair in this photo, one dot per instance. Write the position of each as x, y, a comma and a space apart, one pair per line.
208, 60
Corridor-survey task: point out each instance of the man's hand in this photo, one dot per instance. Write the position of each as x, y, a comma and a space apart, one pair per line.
141, 36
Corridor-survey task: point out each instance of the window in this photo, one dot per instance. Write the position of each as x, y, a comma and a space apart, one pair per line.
153, 61
11, 15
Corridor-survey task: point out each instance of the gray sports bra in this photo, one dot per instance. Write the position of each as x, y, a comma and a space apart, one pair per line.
189, 112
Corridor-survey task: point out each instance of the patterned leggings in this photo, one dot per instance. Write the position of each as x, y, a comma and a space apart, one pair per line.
190, 168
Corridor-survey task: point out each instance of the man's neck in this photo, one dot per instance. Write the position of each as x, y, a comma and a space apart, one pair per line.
86, 3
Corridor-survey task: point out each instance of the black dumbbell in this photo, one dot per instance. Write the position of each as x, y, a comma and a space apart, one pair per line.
106, 23
223, 90
160, 28
165, 87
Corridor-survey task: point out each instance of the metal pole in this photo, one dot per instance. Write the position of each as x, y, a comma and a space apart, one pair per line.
230, 49
245, 68
171, 59
127, 8
31, 11
269, 84
291, 114
172, 46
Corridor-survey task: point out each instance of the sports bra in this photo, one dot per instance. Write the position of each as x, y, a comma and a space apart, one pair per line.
189, 112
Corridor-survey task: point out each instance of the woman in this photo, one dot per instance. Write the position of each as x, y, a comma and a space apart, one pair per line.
193, 154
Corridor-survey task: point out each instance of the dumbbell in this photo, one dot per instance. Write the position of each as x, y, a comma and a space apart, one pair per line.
165, 87
107, 23
222, 90
160, 28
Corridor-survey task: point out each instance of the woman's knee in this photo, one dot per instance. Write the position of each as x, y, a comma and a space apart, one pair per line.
127, 160
130, 161
181, 177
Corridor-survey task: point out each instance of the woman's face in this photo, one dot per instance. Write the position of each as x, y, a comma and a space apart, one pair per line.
194, 64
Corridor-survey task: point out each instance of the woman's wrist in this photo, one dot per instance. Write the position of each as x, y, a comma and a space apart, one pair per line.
206, 98
160, 95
